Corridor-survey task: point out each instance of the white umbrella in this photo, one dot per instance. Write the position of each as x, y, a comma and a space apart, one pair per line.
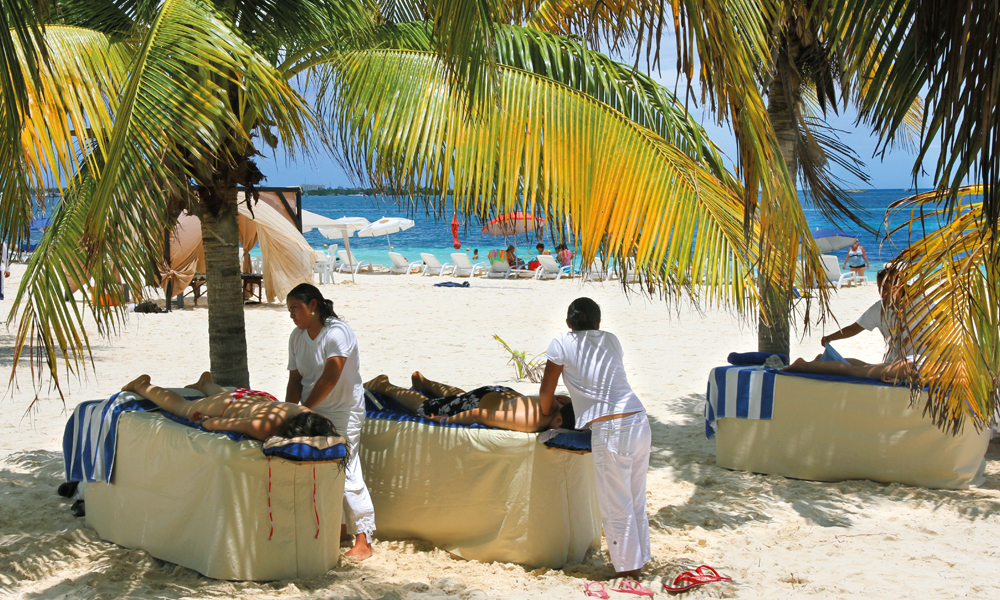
311, 220
831, 240
386, 226
345, 226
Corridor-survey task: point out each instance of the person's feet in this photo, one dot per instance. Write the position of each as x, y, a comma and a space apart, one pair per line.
362, 549
138, 385
378, 384
417, 379
206, 377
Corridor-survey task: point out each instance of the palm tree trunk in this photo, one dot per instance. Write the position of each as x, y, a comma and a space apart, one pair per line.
773, 330
227, 341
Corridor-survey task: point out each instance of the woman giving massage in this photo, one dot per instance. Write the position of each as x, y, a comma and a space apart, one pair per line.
255, 414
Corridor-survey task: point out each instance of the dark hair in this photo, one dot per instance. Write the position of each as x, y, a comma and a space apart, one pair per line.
475, 249
539, 245
510, 247
308, 424
583, 314
306, 293
568, 416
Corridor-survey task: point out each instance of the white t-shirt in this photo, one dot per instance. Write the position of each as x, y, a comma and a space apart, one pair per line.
594, 374
308, 357
884, 319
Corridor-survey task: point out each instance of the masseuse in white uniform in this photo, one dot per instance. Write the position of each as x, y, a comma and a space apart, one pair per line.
324, 374
590, 362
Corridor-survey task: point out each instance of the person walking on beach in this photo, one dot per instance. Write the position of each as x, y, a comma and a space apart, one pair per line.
324, 375
590, 362
857, 260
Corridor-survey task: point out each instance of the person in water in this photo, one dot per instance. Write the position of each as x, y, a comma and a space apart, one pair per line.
255, 414
492, 405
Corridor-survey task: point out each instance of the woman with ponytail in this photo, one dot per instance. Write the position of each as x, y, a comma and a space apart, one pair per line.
324, 375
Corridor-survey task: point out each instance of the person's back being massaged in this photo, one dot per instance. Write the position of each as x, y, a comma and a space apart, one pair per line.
492, 406
255, 414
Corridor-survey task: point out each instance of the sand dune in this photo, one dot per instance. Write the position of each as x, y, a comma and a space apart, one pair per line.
774, 536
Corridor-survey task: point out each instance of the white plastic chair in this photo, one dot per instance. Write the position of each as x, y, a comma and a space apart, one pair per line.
347, 261
831, 266
549, 268
464, 266
401, 267
432, 266
596, 271
323, 267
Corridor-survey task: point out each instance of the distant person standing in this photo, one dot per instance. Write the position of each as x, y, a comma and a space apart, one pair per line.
857, 260
5, 265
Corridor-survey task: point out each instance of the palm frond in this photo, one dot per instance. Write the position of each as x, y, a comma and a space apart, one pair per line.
950, 306
617, 188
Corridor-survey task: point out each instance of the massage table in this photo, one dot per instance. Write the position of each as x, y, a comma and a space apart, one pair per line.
829, 428
481, 494
201, 500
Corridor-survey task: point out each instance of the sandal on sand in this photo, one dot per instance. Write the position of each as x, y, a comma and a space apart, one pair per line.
631, 586
596, 591
689, 579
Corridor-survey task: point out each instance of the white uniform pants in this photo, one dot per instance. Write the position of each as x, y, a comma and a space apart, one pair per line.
621, 459
359, 513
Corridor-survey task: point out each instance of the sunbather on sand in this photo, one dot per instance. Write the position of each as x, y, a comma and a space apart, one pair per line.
255, 414
893, 372
492, 406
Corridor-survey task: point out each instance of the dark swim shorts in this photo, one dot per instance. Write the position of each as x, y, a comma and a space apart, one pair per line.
452, 405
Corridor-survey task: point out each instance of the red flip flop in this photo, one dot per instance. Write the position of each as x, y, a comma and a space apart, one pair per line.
689, 579
631, 586
597, 591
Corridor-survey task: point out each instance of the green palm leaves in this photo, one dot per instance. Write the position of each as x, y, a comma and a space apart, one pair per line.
545, 147
950, 310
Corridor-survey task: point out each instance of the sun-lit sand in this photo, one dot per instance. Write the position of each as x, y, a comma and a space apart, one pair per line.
774, 536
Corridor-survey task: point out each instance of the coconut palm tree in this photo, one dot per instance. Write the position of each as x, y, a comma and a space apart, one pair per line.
156, 106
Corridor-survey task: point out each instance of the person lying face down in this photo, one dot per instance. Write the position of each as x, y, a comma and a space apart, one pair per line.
897, 371
255, 414
492, 406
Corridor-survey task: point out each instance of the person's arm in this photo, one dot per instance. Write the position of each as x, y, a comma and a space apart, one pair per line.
547, 390
293, 392
865, 254
326, 382
846, 258
255, 428
850, 331
501, 419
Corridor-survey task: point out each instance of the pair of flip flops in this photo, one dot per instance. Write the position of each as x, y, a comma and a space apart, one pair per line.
627, 586
690, 579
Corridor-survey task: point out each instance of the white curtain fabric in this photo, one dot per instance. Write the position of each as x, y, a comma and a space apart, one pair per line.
288, 258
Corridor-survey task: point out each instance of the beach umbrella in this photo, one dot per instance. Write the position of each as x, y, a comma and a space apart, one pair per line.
311, 220
454, 231
514, 223
386, 226
831, 240
345, 227
40, 224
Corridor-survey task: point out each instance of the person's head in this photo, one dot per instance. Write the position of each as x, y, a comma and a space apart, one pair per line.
566, 418
308, 424
475, 251
510, 248
583, 314
307, 306
855, 245
887, 280
540, 247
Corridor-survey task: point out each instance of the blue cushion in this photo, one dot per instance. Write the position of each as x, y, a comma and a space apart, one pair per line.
576, 441
753, 358
305, 453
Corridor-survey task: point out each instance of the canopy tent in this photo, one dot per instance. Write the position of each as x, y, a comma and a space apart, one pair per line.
288, 258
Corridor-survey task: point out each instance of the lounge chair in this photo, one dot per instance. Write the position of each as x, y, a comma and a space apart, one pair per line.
596, 271
432, 266
499, 269
833, 275
549, 268
401, 266
347, 261
464, 266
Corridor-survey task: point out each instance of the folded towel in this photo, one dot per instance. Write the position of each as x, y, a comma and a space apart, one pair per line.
753, 358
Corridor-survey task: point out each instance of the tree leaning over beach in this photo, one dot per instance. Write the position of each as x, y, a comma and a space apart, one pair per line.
156, 107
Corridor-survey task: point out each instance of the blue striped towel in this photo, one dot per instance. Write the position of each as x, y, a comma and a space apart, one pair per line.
742, 392
89, 439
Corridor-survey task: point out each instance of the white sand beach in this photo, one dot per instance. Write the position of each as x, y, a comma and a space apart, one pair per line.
776, 537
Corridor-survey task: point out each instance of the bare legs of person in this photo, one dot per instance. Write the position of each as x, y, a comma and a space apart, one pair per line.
362, 548
894, 372
175, 404
411, 399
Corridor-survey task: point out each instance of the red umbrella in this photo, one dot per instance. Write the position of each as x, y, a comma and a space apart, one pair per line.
454, 231
514, 223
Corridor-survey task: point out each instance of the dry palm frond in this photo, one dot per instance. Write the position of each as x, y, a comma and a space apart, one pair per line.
950, 308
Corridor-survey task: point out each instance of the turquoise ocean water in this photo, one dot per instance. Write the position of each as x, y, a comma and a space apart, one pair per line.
434, 235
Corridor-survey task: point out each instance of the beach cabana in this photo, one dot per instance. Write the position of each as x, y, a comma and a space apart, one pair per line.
288, 259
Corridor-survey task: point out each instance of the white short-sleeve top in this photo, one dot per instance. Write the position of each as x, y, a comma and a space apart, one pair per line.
308, 357
594, 374
883, 318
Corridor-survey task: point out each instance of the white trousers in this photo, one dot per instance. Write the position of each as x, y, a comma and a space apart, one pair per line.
621, 460
359, 513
